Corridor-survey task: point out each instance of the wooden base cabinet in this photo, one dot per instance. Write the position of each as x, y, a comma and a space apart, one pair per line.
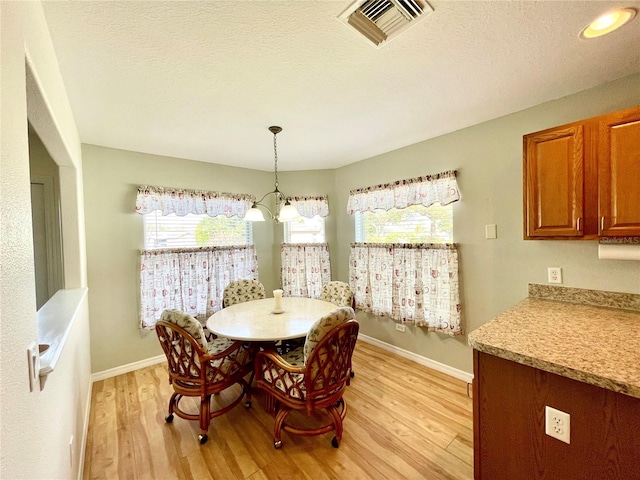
582, 180
509, 426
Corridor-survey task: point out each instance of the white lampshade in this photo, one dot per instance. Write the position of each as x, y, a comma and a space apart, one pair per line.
254, 214
288, 213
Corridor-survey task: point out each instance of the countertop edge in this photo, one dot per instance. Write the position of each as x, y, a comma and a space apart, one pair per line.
563, 371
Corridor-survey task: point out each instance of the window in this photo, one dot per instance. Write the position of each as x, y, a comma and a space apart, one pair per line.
414, 224
196, 243
305, 264
404, 263
305, 230
194, 230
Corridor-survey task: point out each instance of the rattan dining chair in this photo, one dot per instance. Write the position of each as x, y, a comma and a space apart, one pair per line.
341, 294
312, 379
201, 368
241, 291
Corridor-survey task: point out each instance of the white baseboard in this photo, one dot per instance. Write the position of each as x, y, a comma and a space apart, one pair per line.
414, 357
130, 367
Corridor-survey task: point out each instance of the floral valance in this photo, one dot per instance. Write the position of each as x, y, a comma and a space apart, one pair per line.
309, 207
199, 202
426, 190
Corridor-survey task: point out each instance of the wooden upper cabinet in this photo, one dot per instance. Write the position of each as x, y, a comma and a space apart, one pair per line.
582, 180
619, 173
553, 182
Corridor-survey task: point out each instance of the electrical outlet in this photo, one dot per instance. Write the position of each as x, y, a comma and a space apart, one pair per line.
557, 424
554, 274
401, 327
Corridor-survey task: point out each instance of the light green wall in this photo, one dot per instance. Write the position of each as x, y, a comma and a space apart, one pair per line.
115, 234
494, 274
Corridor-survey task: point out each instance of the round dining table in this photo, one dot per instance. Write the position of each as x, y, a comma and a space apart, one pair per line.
256, 320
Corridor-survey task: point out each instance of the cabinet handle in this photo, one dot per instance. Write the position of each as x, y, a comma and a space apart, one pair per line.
602, 223
578, 224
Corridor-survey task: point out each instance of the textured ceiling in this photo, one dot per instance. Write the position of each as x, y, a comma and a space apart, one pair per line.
203, 80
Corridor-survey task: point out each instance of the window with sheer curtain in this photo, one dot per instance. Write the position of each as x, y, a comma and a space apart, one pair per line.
195, 245
305, 265
415, 281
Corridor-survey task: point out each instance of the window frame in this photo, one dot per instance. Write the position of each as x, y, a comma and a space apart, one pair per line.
156, 214
287, 231
360, 226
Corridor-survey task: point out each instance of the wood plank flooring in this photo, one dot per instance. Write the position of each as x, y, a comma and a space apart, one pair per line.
404, 421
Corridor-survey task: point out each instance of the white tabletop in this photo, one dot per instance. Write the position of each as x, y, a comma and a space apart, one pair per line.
255, 320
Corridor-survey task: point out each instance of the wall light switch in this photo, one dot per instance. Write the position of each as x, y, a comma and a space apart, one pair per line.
33, 357
490, 231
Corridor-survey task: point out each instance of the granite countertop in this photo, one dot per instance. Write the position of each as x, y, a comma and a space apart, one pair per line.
586, 335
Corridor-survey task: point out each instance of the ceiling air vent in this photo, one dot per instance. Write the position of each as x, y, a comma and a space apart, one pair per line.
381, 20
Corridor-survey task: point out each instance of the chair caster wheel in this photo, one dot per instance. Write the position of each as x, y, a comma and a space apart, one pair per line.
169, 419
352, 374
335, 443
247, 404
277, 444
202, 438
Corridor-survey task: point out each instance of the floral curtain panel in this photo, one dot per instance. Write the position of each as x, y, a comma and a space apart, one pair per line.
181, 202
426, 191
309, 207
305, 269
412, 283
191, 280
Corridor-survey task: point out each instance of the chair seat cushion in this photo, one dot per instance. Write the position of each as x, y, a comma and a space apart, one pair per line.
218, 345
294, 357
291, 384
239, 360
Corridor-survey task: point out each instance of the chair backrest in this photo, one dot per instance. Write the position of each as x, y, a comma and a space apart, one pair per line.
242, 291
337, 292
182, 339
323, 326
328, 368
189, 323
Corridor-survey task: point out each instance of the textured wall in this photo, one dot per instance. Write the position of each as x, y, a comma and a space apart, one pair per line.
36, 426
494, 273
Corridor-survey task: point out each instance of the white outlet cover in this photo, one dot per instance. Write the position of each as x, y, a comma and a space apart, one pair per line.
557, 424
554, 274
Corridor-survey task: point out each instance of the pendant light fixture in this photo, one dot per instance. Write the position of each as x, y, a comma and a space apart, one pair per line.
284, 211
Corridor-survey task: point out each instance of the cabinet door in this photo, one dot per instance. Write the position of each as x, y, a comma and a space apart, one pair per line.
619, 174
553, 185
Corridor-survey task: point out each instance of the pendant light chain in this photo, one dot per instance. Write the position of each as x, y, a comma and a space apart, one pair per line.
284, 211
275, 153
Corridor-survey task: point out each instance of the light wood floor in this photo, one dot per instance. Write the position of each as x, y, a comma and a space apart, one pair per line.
404, 421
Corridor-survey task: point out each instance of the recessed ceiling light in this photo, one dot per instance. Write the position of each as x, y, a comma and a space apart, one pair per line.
608, 22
